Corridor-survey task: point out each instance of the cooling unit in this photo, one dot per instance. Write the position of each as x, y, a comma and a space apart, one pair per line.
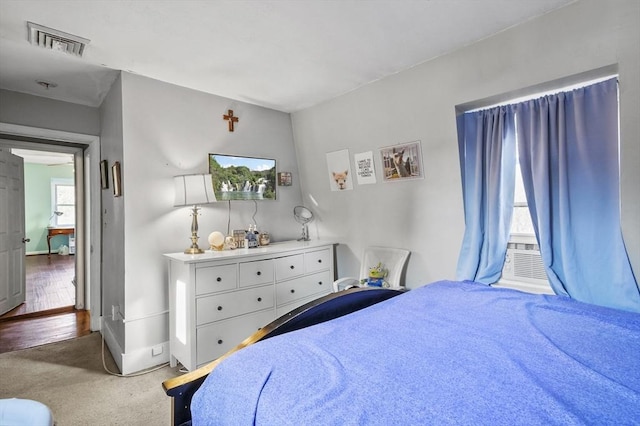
523, 270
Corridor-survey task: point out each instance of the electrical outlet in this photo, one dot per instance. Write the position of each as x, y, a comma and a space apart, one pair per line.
116, 314
156, 350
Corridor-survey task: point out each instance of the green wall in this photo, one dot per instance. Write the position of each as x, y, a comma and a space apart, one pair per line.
37, 205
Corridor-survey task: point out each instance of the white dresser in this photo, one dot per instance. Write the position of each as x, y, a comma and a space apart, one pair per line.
219, 298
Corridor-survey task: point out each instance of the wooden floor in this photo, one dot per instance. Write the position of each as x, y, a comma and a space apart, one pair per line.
49, 286
35, 331
48, 314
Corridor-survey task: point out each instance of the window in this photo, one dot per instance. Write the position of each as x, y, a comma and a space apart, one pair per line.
521, 223
63, 202
523, 263
573, 139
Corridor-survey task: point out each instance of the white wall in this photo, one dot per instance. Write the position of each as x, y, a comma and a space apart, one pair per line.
36, 111
426, 216
112, 217
167, 130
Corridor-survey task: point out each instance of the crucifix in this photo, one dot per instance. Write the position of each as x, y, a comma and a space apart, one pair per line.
229, 116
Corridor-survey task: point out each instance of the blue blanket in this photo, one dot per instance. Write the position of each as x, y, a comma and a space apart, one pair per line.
445, 353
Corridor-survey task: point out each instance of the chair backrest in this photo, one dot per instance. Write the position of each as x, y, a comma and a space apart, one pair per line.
392, 259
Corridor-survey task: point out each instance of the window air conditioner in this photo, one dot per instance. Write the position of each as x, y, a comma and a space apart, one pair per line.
523, 270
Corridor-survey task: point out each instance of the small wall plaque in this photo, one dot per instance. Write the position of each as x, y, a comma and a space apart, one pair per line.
117, 182
104, 174
284, 179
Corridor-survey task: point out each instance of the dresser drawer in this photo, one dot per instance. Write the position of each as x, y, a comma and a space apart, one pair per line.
256, 273
317, 260
221, 306
215, 278
288, 291
214, 340
289, 267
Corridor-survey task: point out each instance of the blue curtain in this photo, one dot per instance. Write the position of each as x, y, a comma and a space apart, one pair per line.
568, 146
486, 143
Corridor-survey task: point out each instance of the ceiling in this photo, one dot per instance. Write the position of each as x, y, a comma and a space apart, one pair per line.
44, 157
280, 54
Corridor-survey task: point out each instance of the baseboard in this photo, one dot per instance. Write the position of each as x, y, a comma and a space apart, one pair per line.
112, 344
39, 252
143, 358
138, 360
95, 322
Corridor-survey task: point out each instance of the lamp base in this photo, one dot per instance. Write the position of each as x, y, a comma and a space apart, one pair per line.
193, 250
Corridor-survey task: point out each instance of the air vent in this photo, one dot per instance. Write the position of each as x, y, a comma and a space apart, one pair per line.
528, 264
51, 39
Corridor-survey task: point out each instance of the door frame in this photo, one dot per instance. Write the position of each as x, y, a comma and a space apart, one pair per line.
88, 238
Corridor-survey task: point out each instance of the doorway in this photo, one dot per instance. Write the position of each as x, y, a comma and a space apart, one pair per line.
86, 158
49, 219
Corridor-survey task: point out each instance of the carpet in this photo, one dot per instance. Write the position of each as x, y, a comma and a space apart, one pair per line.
69, 378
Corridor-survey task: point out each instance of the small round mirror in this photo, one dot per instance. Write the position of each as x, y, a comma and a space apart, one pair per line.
303, 216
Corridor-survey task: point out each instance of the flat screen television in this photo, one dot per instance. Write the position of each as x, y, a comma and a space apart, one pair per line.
242, 178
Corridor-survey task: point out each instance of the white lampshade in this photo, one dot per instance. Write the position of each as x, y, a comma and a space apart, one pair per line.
193, 190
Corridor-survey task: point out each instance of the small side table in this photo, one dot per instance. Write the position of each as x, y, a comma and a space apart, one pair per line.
52, 232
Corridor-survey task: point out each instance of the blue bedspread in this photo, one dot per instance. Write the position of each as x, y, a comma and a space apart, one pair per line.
445, 353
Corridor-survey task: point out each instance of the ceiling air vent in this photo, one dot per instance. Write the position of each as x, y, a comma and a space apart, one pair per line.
56, 40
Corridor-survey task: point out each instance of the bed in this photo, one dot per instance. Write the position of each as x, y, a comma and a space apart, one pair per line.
445, 353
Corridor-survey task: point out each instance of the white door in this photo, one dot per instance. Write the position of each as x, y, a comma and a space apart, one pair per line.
12, 238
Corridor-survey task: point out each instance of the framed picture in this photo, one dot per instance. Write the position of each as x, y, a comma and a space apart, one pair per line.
238, 178
339, 168
115, 174
104, 174
365, 170
402, 161
284, 179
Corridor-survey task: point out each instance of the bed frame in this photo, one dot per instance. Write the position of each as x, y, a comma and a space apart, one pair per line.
333, 305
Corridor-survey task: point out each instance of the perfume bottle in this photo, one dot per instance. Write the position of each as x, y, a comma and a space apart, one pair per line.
251, 238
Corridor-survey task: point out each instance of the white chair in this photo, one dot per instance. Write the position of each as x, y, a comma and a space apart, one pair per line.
19, 412
392, 259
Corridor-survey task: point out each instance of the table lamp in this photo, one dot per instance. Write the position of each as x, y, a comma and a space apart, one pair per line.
193, 190
55, 213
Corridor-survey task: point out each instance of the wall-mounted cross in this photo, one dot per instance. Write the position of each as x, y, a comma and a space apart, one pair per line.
229, 116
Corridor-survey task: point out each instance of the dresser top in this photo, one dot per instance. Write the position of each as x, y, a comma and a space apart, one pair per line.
273, 248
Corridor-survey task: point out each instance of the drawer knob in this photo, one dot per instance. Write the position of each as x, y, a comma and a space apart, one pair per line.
319, 260
258, 273
218, 279
292, 267
319, 282
293, 291
259, 299
220, 341
219, 308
